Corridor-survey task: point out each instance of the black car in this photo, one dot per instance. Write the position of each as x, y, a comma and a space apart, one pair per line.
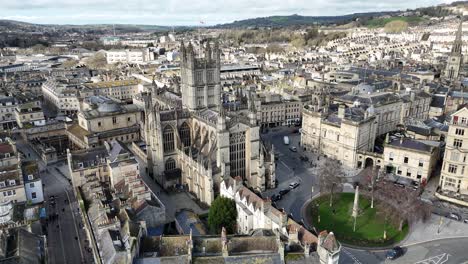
395, 253
304, 158
275, 197
284, 191
454, 216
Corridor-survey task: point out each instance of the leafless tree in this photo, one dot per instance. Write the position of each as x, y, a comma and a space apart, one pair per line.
390, 216
405, 200
368, 181
331, 177
411, 208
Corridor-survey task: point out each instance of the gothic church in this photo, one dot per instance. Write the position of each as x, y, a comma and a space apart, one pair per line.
194, 141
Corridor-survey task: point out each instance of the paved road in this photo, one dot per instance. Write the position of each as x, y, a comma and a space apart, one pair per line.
446, 251
289, 168
66, 240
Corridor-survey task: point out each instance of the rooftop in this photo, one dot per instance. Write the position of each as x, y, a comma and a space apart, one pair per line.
412, 144
110, 84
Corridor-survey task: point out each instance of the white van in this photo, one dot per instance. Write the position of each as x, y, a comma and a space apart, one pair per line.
286, 140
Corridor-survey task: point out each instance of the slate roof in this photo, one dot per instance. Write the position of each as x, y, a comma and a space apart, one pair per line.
379, 98
329, 241
407, 143
24, 247
438, 101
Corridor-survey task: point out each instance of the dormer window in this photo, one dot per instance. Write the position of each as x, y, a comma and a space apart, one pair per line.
30, 177
2, 184
12, 183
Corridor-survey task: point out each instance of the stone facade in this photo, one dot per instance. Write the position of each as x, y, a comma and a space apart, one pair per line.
105, 122
201, 84
411, 158
455, 59
454, 175
193, 142
252, 211
339, 135
11, 177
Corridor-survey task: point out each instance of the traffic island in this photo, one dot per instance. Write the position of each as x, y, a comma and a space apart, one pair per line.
373, 227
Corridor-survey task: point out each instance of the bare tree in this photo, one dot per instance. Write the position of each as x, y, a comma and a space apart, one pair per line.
411, 208
368, 180
405, 200
390, 216
331, 177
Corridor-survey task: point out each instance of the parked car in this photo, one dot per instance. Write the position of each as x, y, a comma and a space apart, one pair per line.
293, 149
284, 191
465, 221
275, 197
293, 185
395, 253
277, 154
454, 216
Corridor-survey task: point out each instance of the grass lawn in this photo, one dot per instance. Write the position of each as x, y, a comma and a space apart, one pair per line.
381, 22
369, 225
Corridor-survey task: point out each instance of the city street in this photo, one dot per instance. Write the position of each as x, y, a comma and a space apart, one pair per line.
290, 168
446, 251
66, 240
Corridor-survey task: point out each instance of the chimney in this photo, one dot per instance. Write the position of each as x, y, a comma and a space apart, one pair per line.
341, 111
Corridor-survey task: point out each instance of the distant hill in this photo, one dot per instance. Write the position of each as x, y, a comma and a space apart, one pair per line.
298, 20
18, 26
375, 19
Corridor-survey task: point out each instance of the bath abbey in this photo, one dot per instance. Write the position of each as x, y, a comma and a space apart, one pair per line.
195, 139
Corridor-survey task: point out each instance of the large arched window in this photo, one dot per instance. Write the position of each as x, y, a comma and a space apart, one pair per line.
184, 132
168, 139
170, 164
237, 154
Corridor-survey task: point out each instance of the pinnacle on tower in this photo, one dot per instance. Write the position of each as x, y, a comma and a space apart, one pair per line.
208, 53
457, 44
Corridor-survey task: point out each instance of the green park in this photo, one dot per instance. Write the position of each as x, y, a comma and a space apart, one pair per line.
372, 227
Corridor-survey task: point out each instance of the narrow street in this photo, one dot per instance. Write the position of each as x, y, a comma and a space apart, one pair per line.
290, 168
67, 241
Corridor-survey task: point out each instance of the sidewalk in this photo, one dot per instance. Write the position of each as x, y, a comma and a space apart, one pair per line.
422, 232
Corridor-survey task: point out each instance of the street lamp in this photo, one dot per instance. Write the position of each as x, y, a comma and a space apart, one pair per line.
441, 221
318, 212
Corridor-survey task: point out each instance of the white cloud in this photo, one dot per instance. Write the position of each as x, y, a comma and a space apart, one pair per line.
187, 11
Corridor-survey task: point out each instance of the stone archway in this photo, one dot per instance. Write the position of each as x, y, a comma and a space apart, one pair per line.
369, 163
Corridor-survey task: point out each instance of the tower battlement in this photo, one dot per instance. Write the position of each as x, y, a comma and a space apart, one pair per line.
200, 76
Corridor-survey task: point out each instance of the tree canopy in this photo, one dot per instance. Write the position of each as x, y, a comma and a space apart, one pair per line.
223, 213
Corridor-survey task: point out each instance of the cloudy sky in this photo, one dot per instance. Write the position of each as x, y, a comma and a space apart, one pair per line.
186, 12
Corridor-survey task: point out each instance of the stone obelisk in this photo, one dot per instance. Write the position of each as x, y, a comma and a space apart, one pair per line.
355, 206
